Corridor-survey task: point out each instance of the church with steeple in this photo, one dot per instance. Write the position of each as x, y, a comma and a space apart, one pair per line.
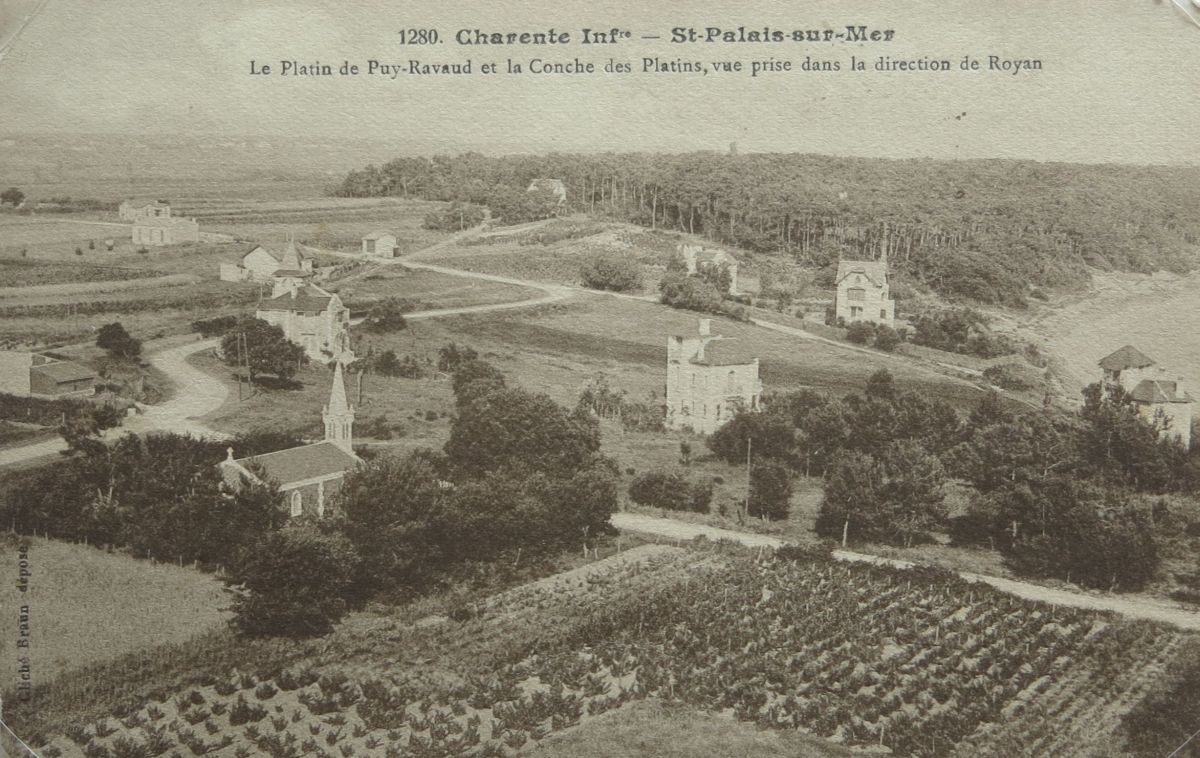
309, 475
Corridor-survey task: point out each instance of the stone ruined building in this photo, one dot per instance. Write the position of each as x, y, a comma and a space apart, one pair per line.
308, 475
314, 319
1159, 400
165, 230
863, 294
698, 259
132, 210
707, 382
381, 244
258, 264
29, 374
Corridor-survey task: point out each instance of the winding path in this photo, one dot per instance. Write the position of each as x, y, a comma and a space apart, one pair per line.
1131, 607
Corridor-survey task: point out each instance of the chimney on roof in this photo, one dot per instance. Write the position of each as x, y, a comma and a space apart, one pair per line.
229, 453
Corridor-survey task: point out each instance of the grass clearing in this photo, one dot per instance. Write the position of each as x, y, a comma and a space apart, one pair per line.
654, 728
88, 606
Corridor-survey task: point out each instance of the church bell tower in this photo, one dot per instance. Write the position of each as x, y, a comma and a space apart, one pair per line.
339, 415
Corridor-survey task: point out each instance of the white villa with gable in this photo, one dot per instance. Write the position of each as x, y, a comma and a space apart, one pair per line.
863, 294
165, 230
308, 475
314, 319
1159, 399
708, 381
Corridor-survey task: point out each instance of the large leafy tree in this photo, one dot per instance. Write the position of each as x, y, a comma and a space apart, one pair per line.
118, 342
264, 347
292, 582
391, 511
515, 428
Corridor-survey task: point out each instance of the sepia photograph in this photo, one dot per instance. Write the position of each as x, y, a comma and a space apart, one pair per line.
594, 379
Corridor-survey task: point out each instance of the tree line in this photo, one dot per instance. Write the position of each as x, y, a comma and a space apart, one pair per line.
1055, 493
519, 475
984, 230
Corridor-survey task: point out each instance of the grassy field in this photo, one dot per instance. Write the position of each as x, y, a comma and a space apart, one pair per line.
88, 606
427, 288
672, 730
400, 414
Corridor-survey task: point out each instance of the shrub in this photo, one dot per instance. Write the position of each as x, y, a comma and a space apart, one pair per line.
887, 339
663, 489
212, 327
388, 315
613, 272
1013, 376
860, 332
119, 344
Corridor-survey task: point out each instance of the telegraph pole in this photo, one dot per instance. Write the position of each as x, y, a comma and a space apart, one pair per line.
749, 446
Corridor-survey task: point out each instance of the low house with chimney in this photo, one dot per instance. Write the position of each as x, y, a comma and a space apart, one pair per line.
29, 374
863, 293
1158, 397
709, 379
307, 476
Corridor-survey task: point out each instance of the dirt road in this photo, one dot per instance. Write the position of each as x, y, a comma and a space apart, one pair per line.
1131, 607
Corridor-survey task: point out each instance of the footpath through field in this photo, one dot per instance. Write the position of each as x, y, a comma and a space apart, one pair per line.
1137, 608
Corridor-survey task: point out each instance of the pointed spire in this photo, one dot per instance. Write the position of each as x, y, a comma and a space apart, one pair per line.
338, 404
291, 257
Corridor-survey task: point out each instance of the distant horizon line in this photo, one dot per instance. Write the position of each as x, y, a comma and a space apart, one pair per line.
499, 151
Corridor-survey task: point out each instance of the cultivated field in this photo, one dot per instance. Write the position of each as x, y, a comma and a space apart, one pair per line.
88, 606
859, 656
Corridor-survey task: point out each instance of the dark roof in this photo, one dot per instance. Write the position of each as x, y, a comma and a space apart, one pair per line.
720, 352
307, 299
1127, 357
876, 271
64, 371
296, 464
1159, 391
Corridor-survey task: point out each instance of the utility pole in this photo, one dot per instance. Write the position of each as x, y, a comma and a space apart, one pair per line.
238, 341
749, 446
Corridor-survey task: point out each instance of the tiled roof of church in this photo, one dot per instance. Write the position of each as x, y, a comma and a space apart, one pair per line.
296, 464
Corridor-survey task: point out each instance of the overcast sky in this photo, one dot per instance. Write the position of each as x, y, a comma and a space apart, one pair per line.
1121, 78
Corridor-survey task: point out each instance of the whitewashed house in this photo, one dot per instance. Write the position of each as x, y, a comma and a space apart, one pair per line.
1159, 399
381, 244
708, 381
157, 231
314, 319
258, 264
863, 293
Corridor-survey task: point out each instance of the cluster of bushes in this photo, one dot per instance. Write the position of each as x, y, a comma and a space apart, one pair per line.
214, 327
455, 217
600, 399
1055, 493
671, 490
33, 410
118, 342
387, 315
694, 293
158, 496
1017, 377
611, 271
879, 336
960, 330
262, 348
387, 363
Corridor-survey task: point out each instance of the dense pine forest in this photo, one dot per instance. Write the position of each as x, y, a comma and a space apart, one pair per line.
987, 231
